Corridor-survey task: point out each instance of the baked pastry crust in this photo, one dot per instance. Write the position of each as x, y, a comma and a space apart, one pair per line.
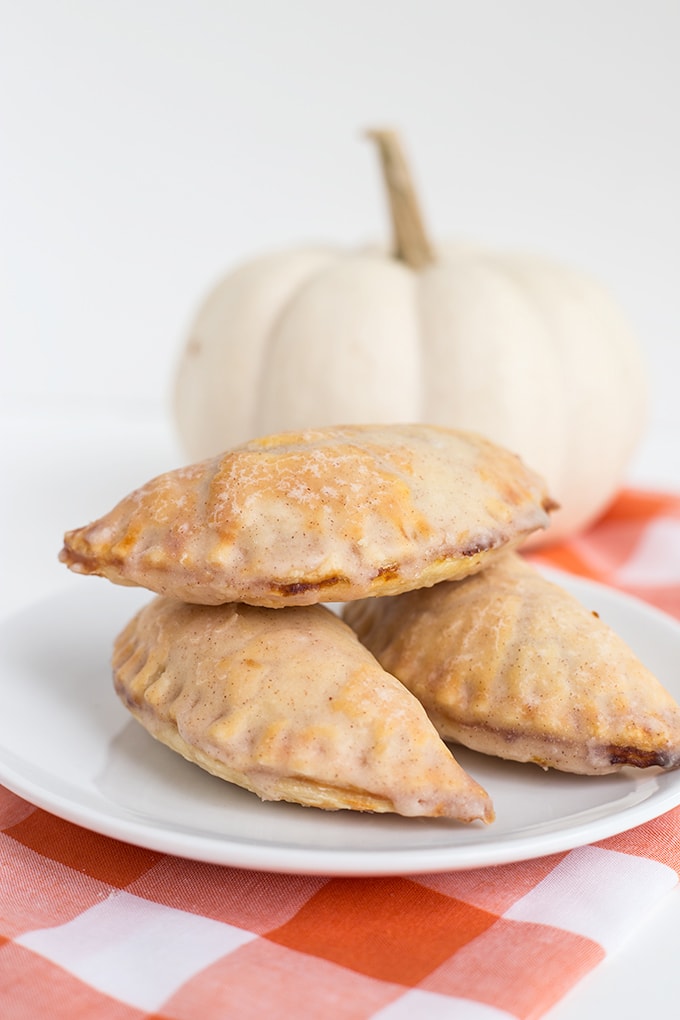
510, 664
289, 705
325, 515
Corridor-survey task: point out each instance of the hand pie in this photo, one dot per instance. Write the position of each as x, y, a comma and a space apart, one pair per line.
288, 704
317, 516
510, 664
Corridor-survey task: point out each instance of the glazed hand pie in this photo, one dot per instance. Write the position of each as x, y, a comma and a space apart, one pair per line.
324, 515
510, 664
288, 704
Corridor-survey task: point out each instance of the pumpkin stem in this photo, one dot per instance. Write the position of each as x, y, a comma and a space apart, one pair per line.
411, 243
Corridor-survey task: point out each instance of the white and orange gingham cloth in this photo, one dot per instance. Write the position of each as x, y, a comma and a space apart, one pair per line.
94, 928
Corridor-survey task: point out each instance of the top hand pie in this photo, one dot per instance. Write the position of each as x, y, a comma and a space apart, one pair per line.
324, 515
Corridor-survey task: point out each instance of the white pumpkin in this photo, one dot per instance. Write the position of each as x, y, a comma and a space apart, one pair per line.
534, 355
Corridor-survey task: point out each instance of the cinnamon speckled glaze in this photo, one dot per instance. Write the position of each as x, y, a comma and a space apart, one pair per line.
325, 515
510, 664
289, 705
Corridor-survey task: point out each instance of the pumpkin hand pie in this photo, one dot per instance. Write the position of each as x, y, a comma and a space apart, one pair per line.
323, 515
289, 705
512, 665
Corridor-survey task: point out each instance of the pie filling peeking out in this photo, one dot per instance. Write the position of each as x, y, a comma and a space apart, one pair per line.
510, 664
325, 515
288, 704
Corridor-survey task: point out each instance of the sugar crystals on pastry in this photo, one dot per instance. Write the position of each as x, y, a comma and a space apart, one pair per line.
509, 663
288, 704
324, 515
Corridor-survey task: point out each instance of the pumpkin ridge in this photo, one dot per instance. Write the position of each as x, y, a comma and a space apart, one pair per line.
422, 343
283, 311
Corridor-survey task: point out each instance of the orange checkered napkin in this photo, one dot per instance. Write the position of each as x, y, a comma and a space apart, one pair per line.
94, 928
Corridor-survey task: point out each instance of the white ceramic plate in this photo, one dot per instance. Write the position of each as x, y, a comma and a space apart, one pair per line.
68, 745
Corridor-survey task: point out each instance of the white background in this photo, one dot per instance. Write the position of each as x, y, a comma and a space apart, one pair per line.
146, 148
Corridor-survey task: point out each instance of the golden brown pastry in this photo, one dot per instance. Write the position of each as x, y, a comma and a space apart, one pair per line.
325, 515
510, 664
288, 704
